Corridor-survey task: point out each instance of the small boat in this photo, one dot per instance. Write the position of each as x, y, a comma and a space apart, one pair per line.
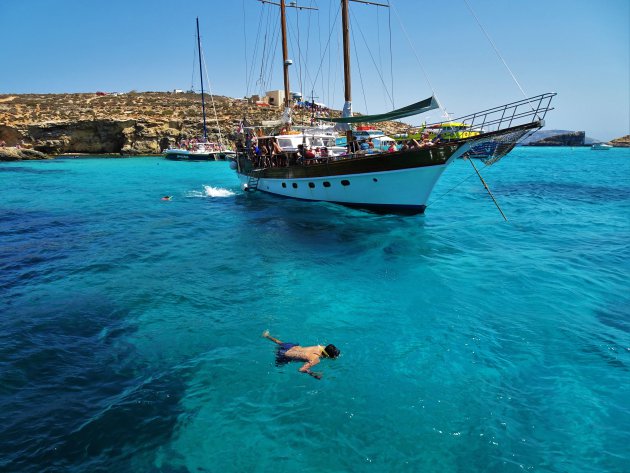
445, 131
601, 146
199, 150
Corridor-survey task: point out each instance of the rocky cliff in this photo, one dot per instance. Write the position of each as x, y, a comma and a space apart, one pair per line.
623, 142
573, 138
130, 123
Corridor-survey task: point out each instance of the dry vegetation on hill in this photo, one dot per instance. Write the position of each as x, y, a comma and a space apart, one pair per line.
130, 123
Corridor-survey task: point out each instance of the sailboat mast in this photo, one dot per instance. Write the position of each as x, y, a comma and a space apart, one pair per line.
203, 102
345, 25
285, 53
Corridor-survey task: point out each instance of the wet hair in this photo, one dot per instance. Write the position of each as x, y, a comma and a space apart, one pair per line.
331, 351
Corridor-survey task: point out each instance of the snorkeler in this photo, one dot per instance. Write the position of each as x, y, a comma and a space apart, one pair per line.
288, 352
167, 197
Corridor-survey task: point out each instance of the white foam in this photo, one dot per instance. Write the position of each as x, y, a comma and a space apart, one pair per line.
210, 191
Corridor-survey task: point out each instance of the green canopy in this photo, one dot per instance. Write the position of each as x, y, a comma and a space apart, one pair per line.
413, 109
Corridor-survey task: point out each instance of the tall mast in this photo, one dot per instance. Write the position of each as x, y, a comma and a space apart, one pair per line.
285, 52
347, 106
203, 102
345, 24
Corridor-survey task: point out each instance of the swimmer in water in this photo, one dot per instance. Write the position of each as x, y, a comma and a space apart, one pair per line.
167, 197
288, 352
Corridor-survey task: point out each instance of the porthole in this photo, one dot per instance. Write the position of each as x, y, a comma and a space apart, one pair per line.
326, 184
345, 182
295, 185
284, 184
311, 185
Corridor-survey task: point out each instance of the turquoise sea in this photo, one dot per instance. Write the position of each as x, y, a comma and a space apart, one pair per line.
130, 326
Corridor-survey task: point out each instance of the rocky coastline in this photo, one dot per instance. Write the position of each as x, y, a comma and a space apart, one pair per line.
37, 126
128, 124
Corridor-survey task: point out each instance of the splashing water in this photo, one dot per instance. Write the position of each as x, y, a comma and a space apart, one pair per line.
210, 191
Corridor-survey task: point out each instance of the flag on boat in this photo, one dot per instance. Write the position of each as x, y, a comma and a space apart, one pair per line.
413, 109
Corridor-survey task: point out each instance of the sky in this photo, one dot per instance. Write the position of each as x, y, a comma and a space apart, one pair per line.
578, 48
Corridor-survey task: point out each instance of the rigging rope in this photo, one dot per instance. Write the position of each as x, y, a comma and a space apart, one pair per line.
216, 118
250, 77
391, 52
192, 77
356, 56
319, 69
245, 51
371, 56
496, 50
424, 72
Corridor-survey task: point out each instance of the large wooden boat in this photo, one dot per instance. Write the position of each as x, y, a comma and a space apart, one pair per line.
398, 181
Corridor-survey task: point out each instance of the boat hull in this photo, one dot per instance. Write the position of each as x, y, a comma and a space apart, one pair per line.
398, 183
369, 191
184, 155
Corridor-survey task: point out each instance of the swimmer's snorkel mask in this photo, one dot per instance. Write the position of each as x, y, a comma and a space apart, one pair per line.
331, 351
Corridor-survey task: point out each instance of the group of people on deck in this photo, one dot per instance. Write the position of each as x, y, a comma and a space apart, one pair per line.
367, 146
265, 152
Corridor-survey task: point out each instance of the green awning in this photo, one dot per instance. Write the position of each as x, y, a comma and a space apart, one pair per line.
409, 110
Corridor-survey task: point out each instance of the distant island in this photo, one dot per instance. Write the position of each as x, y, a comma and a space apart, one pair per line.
568, 138
34, 126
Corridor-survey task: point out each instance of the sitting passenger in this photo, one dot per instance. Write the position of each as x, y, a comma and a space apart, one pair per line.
323, 152
277, 149
392, 148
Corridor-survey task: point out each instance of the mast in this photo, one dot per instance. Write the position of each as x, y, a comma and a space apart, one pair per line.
345, 24
347, 106
286, 116
203, 103
285, 52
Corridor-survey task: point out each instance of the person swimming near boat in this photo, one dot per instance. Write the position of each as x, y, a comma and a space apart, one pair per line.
288, 352
167, 197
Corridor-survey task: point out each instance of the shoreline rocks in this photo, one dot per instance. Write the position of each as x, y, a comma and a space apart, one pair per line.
21, 154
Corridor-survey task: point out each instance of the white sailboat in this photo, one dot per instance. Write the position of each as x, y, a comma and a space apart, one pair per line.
199, 150
389, 182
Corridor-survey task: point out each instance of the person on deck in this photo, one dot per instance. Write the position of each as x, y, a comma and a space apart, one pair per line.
288, 352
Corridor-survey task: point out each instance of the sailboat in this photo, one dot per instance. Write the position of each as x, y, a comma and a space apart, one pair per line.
199, 150
396, 181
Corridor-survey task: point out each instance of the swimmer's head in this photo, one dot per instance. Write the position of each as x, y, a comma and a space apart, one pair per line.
331, 351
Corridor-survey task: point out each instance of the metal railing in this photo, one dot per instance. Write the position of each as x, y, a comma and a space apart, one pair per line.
524, 111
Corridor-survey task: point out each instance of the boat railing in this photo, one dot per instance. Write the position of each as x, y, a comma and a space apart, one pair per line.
529, 110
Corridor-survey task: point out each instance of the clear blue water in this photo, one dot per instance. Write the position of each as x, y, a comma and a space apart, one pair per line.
130, 326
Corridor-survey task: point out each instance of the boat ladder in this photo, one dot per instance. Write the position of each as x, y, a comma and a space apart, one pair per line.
252, 183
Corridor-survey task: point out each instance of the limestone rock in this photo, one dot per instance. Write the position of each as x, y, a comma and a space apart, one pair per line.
623, 142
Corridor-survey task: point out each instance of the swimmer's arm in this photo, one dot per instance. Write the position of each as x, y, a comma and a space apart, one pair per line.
306, 368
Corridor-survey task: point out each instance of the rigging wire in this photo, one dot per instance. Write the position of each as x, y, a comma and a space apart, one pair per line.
371, 56
250, 77
391, 52
439, 197
424, 72
356, 56
245, 50
192, 77
496, 50
319, 69
297, 26
216, 118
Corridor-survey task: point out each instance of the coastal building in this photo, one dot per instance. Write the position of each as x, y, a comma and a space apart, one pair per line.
275, 98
